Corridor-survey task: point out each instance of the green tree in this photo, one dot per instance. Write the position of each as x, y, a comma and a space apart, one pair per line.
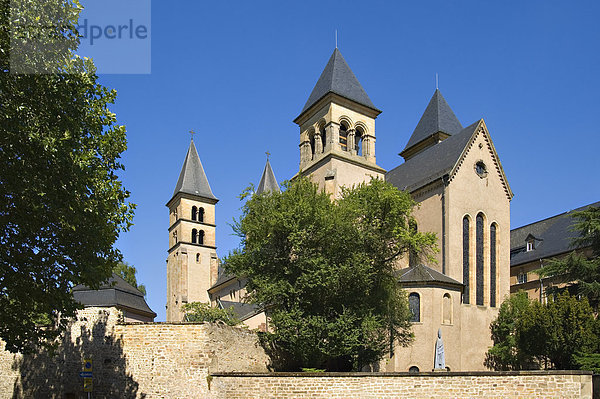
128, 272
325, 270
199, 311
530, 335
506, 354
580, 273
62, 205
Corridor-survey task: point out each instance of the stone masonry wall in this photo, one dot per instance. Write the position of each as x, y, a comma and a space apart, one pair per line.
214, 361
505, 385
152, 360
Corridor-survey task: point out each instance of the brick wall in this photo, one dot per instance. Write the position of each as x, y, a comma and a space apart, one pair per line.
505, 385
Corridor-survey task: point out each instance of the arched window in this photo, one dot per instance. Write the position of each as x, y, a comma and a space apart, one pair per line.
201, 237
414, 304
312, 144
493, 229
194, 212
175, 236
197, 258
413, 369
479, 259
194, 235
358, 141
323, 137
201, 214
447, 309
466, 258
344, 137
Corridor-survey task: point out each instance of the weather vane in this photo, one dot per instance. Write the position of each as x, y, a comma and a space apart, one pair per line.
192, 134
268, 154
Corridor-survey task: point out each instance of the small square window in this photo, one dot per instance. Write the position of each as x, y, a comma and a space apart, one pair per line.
522, 278
530, 245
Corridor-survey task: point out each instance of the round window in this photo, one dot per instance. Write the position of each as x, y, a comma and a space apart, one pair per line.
481, 169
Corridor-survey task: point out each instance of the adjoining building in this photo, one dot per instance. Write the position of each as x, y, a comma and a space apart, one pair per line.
532, 245
452, 171
116, 293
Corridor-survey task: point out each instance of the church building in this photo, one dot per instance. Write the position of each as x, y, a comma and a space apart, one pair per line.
453, 172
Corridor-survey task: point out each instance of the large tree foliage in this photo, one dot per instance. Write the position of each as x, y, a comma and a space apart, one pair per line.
128, 273
61, 203
579, 272
324, 270
529, 335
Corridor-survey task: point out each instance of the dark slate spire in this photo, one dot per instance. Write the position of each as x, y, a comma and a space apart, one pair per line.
438, 117
192, 179
268, 182
338, 78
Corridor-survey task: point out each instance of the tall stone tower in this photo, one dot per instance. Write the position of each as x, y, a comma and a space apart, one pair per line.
192, 264
337, 130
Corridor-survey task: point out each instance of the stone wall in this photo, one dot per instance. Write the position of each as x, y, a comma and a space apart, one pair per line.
151, 360
505, 385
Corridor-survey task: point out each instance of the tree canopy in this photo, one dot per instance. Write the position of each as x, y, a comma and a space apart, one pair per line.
128, 273
62, 205
530, 335
579, 271
325, 270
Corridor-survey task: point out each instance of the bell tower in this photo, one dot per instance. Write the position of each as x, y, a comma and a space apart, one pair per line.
337, 130
192, 263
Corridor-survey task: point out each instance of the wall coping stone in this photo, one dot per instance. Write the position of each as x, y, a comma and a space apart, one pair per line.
407, 374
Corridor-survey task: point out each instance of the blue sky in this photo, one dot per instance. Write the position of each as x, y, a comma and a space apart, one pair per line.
238, 73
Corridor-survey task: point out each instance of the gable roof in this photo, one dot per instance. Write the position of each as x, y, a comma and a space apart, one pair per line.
438, 117
432, 163
338, 78
268, 182
423, 274
115, 292
553, 236
192, 179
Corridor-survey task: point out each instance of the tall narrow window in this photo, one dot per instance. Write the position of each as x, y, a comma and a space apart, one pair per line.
194, 235
493, 265
479, 258
466, 259
201, 214
312, 144
197, 258
447, 309
343, 137
194, 212
414, 305
201, 237
323, 137
358, 142
175, 237
413, 257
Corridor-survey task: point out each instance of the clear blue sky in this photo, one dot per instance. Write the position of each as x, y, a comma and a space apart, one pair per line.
238, 73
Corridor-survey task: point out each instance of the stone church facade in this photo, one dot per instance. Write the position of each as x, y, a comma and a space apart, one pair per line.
453, 172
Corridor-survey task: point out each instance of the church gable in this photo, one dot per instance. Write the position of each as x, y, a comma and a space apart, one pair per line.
487, 162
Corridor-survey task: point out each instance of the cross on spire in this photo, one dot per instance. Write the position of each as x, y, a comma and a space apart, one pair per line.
268, 154
192, 132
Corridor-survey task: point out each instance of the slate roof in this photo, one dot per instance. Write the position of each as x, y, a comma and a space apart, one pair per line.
431, 164
192, 179
424, 274
115, 292
552, 237
268, 182
242, 310
223, 278
438, 117
338, 78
